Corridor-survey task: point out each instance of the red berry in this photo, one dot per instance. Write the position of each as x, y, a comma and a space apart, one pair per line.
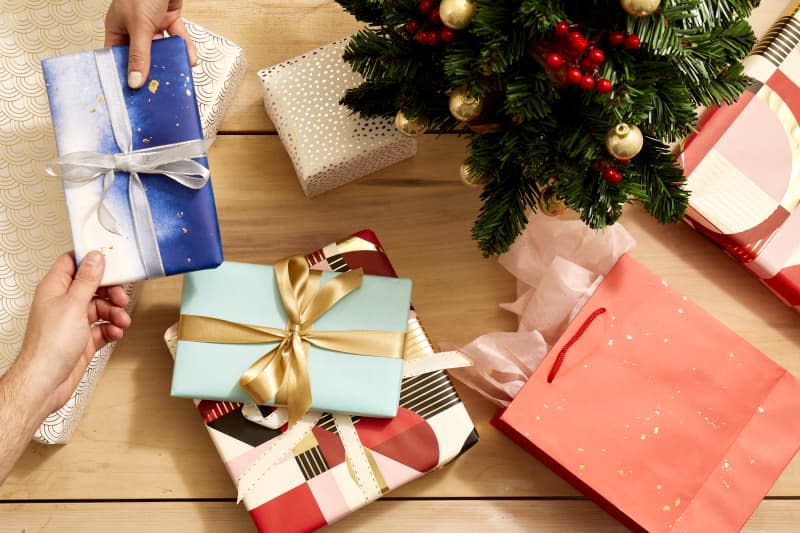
433, 38
425, 6
554, 61
604, 86
586, 64
574, 75
422, 37
576, 44
596, 56
446, 35
434, 16
616, 38
412, 26
612, 176
561, 29
587, 83
632, 42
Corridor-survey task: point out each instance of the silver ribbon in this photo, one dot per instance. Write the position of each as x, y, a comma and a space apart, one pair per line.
174, 161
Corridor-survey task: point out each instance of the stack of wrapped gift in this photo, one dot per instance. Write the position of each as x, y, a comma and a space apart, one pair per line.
634, 395
299, 470
743, 166
36, 225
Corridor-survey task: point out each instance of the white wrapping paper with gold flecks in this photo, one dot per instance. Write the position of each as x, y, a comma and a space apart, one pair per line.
328, 145
33, 220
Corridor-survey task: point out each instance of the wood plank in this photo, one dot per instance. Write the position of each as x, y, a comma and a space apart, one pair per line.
272, 31
387, 516
137, 442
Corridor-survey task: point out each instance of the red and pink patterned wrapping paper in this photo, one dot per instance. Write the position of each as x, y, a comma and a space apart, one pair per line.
313, 487
743, 166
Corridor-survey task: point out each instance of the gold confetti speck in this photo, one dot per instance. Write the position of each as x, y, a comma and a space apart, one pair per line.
659, 486
147, 140
680, 311
666, 508
101, 99
180, 214
581, 467
93, 110
580, 450
760, 409
153, 86
628, 337
655, 430
188, 259
188, 92
138, 130
621, 472
184, 230
643, 437
610, 342
677, 502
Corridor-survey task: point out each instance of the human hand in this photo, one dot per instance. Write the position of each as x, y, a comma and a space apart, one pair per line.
61, 339
138, 22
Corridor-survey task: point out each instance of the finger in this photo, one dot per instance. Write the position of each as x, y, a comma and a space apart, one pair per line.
117, 296
87, 278
102, 334
59, 277
110, 313
179, 28
139, 56
114, 38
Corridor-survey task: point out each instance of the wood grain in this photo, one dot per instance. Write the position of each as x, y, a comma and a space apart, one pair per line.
137, 443
387, 516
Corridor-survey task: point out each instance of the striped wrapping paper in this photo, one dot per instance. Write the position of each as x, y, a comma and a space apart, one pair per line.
314, 487
743, 166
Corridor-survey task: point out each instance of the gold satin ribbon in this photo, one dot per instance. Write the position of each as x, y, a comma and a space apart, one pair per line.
282, 373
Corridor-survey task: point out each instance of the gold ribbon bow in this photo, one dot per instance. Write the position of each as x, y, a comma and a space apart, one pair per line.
282, 373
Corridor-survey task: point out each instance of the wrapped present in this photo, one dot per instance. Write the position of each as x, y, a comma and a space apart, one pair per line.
345, 353
656, 411
328, 145
743, 169
340, 464
136, 179
34, 221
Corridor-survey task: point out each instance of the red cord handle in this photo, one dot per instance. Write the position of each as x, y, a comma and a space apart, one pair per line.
581, 330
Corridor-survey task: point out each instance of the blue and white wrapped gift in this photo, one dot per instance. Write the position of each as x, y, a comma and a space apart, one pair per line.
136, 178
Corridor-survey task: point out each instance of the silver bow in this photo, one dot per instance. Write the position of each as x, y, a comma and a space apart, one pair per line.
174, 161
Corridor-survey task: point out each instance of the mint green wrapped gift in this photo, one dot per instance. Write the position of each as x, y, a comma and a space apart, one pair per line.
287, 335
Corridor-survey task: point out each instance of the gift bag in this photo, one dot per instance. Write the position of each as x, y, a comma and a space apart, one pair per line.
656, 411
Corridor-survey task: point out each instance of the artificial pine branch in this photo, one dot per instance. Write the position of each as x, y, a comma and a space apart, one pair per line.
545, 134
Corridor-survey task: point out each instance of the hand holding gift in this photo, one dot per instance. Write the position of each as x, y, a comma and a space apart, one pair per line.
138, 22
69, 321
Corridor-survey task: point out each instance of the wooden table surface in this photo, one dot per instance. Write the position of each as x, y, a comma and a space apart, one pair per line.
141, 460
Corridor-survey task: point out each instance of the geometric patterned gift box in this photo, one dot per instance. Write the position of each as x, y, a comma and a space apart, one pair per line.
33, 219
314, 482
743, 166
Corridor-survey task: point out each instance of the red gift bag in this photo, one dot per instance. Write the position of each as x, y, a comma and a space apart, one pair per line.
658, 412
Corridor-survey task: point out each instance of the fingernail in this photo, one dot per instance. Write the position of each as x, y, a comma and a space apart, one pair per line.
134, 79
93, 259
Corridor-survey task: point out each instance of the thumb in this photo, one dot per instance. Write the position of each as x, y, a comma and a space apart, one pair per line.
141, 39
87, 278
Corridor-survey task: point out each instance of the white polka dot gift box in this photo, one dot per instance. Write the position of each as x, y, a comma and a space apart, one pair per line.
656, 411
743, 166
328, 145
34, 227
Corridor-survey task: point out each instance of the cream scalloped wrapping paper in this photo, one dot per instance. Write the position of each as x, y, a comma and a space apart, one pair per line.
329, 146
34, 228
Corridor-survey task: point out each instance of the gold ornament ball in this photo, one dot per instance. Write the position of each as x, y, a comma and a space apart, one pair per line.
640, 8
456, 14
551, 204
463, 106
469, 177
410, 127
624, 141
